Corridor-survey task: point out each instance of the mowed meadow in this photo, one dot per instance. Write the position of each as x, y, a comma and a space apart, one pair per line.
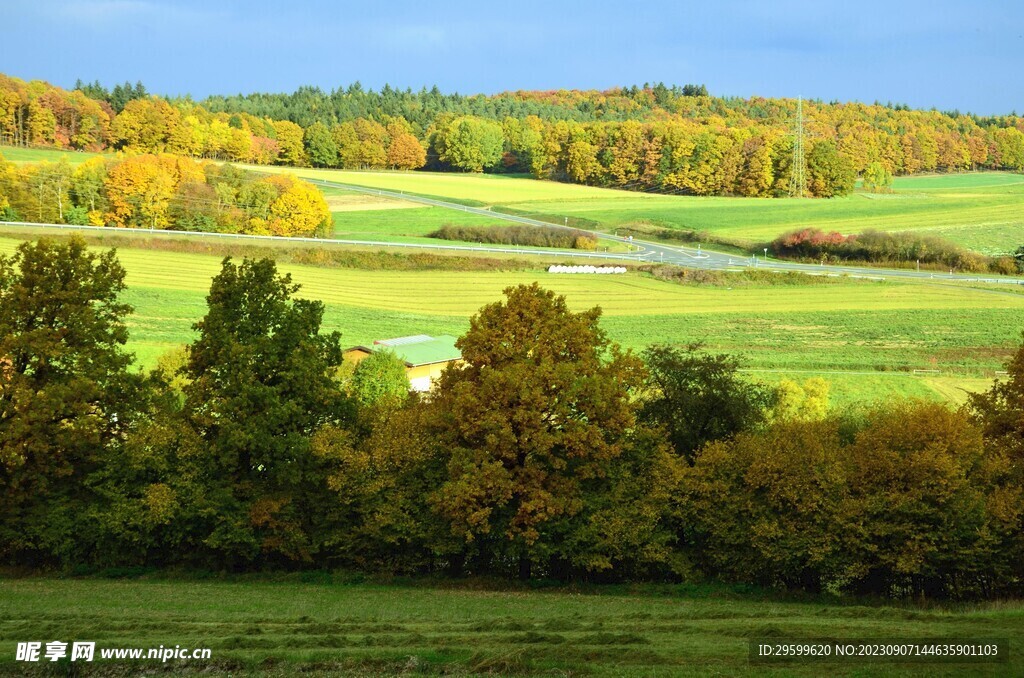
323, 627
981, 211
21, 156
867, 337
870, 339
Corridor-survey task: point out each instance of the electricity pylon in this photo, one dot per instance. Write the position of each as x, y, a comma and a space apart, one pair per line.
797, 181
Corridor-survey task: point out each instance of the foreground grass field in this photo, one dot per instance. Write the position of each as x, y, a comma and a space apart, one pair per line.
981, 211
282, 628
866, 337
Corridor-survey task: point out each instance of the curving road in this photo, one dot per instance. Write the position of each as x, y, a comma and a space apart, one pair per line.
646, 252
688, 257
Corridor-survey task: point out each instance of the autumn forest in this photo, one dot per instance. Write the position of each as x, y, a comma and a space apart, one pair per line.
655, 138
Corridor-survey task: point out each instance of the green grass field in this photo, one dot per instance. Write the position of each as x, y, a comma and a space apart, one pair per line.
867, 338
873, 333
403, 225
22, 156
283, 627
358, 216
981, 211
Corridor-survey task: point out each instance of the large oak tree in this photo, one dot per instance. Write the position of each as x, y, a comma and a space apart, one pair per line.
547, 464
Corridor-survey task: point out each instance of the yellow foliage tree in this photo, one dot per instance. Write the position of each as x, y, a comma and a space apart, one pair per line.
238, 146
300, 210
145, 125
289, 140
405, 152
140, 188
187, 138
806, 402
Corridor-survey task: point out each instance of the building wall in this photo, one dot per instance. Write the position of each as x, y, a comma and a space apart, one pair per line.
355, 356
421, 376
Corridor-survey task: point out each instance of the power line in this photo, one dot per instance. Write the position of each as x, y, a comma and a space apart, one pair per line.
798, 181
250, 178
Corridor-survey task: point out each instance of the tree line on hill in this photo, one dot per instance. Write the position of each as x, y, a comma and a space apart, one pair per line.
173, 192
657, 138
162, 192
548, 453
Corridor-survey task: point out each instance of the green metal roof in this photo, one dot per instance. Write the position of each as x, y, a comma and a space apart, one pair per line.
420, 350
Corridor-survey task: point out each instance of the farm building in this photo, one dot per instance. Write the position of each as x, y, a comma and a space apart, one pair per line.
424, 356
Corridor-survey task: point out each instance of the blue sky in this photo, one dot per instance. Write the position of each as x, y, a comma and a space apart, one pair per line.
942, 53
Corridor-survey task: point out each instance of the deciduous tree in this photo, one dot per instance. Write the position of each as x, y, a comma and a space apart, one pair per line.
380, 378
698, 397
260, 386
829, 174
67, 394
877, 178
289, 143
470, 144
299, 210
321, 149
405, 152
538, 431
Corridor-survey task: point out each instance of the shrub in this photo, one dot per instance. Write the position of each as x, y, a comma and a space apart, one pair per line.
530, 236
877, 179
878, 247
905, 500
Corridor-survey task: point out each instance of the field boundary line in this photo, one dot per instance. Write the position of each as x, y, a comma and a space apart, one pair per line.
322, 241
869, 373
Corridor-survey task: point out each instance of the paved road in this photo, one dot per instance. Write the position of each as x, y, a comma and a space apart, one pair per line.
509, 249
645, 251
688, 257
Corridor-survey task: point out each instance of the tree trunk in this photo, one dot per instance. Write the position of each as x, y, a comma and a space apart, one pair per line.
524, 565
457, 565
